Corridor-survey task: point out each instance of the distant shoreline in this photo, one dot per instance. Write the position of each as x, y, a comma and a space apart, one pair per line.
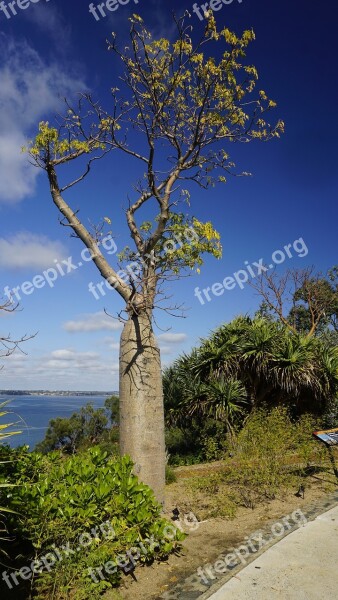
54, 393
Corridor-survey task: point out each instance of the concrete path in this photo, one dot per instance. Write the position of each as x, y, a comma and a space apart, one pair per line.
302, 566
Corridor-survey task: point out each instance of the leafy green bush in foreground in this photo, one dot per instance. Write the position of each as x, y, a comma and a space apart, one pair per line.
91, 510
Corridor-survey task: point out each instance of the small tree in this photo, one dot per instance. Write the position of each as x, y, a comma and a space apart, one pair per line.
184, 102
81, 429
112, 405
303, 300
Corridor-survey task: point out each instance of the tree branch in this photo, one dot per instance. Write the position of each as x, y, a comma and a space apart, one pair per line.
103, 266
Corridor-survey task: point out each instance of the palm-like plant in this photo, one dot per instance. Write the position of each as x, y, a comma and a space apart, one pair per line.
294, 365
273, 364
222, 399
219, 354
4, 435
179, 382
328, 373
258, 341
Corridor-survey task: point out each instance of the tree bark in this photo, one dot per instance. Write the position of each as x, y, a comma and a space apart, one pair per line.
141, 402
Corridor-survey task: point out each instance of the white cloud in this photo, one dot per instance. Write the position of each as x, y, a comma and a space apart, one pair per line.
25, 250
17, 176
61, 370
56, 364
30, 89
17, 358
172, 338
110, 342
65, 354
165, 350
73, 361
93, 322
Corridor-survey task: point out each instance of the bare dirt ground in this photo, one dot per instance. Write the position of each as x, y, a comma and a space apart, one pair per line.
214, 534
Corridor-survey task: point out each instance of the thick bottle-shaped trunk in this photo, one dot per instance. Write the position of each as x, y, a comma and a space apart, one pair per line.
141, 403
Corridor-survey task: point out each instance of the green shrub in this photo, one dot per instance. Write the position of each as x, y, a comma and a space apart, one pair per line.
63, 501
181, 445
306, 448
203, 441
170, 475
212, 496
211, 449
4, 435
178, 460
270, 453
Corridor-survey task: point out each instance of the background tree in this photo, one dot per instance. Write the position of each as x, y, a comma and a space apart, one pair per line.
251, 363
184, 103
112, 405
83, 429
303, 300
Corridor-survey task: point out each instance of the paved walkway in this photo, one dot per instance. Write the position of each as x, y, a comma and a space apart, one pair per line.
302, 566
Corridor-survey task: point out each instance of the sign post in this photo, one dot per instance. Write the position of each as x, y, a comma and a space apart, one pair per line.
330, 438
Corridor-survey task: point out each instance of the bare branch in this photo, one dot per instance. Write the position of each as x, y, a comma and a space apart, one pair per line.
8, 345
103, 266
298, 293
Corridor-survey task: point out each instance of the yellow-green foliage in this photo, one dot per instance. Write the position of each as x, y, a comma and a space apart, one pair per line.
187, 72
212, 497
4, 434
50, 146
269, 456
184, 100
271, 453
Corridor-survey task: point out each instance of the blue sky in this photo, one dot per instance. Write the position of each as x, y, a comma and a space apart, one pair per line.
52, 49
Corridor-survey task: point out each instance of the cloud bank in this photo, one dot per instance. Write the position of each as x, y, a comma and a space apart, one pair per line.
30, 90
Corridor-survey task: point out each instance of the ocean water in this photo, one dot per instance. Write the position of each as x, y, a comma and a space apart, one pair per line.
31, 414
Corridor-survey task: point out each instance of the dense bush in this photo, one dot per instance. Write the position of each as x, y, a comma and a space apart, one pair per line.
244, 365
170, 475
272, 453
256, 360
204, 441
63, 501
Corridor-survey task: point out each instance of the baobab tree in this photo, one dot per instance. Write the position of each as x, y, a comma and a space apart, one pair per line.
178, 109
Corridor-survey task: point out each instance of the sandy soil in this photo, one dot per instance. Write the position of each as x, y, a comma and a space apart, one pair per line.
212, 536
